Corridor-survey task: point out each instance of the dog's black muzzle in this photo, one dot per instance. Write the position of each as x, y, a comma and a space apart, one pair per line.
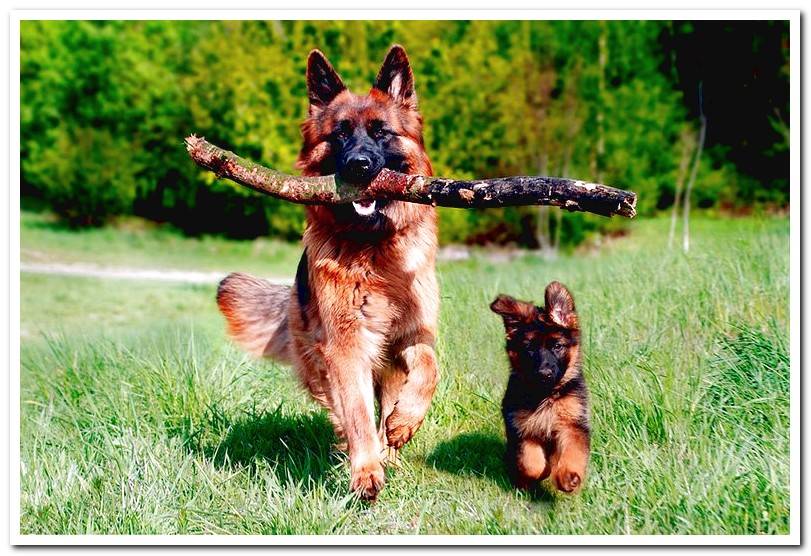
545, 368
360, 160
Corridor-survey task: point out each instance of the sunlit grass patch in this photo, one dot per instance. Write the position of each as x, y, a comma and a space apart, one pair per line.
139, 417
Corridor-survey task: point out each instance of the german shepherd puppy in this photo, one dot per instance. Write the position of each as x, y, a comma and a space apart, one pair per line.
360, 322
545, 407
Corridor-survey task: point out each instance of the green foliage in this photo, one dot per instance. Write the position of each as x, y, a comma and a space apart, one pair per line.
587, 99
89, 173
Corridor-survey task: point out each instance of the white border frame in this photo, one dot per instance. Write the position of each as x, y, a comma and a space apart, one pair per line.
793, 538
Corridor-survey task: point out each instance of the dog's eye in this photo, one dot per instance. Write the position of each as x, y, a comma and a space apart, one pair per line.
377, 130
343, 129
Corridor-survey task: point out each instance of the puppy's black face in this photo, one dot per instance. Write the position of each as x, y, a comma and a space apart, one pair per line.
542, 342
543, 353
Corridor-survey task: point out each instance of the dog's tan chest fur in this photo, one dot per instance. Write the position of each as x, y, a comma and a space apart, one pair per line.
538, 423
385, 293
553, 413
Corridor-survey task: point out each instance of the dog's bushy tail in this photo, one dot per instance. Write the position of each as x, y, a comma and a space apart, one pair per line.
256, 312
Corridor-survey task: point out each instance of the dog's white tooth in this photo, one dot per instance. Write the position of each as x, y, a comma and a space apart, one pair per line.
364, 210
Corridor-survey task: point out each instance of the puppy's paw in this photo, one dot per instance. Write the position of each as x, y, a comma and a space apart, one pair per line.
368, 480
567, 480
401, 426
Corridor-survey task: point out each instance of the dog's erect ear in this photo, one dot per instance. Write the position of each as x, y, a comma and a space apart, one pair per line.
395, 77
514, 312
560, 305
323, 82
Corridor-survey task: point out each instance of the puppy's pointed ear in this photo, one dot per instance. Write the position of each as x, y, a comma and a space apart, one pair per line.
513, 311
395, 77
323, 82
560, 305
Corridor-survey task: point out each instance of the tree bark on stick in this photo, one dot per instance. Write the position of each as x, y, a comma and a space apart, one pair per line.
573, 195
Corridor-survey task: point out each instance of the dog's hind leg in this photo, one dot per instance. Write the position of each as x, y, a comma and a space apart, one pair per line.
419, 362
312, 372
337, 425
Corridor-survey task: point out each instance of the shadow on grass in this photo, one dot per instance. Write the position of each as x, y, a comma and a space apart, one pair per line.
476, 454
298, 447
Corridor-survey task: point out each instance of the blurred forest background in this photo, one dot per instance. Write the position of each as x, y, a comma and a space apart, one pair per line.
105, 106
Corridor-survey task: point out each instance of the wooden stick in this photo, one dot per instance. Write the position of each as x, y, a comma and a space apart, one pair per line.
573, 195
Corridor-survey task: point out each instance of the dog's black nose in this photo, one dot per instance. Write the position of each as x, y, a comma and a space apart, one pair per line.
359, 166
546, 374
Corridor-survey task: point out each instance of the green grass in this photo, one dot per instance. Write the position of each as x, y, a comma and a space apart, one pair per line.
137, 243
139, 417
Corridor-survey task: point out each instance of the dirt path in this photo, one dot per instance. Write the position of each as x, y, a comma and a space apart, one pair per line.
88, 270
92, 270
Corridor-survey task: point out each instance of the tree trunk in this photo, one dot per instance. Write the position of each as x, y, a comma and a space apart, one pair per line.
564, 172
701, 135
543, 232
602, 47
687, 147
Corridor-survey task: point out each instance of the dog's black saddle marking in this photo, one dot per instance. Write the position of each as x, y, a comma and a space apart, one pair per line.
303, 286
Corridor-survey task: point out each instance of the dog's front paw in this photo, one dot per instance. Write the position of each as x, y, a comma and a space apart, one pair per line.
368, 480
567, 480
400, 427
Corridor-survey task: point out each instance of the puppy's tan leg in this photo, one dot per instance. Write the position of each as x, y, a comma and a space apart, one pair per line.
531, 464
419, 362
571, 458
352, 396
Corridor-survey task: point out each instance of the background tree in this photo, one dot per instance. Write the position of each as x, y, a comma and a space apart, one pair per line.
590, 99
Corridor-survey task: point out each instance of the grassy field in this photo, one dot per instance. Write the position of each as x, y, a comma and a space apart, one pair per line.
139, 417
136, 243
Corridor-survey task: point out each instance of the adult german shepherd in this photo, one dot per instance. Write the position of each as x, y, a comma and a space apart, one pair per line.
360, 321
